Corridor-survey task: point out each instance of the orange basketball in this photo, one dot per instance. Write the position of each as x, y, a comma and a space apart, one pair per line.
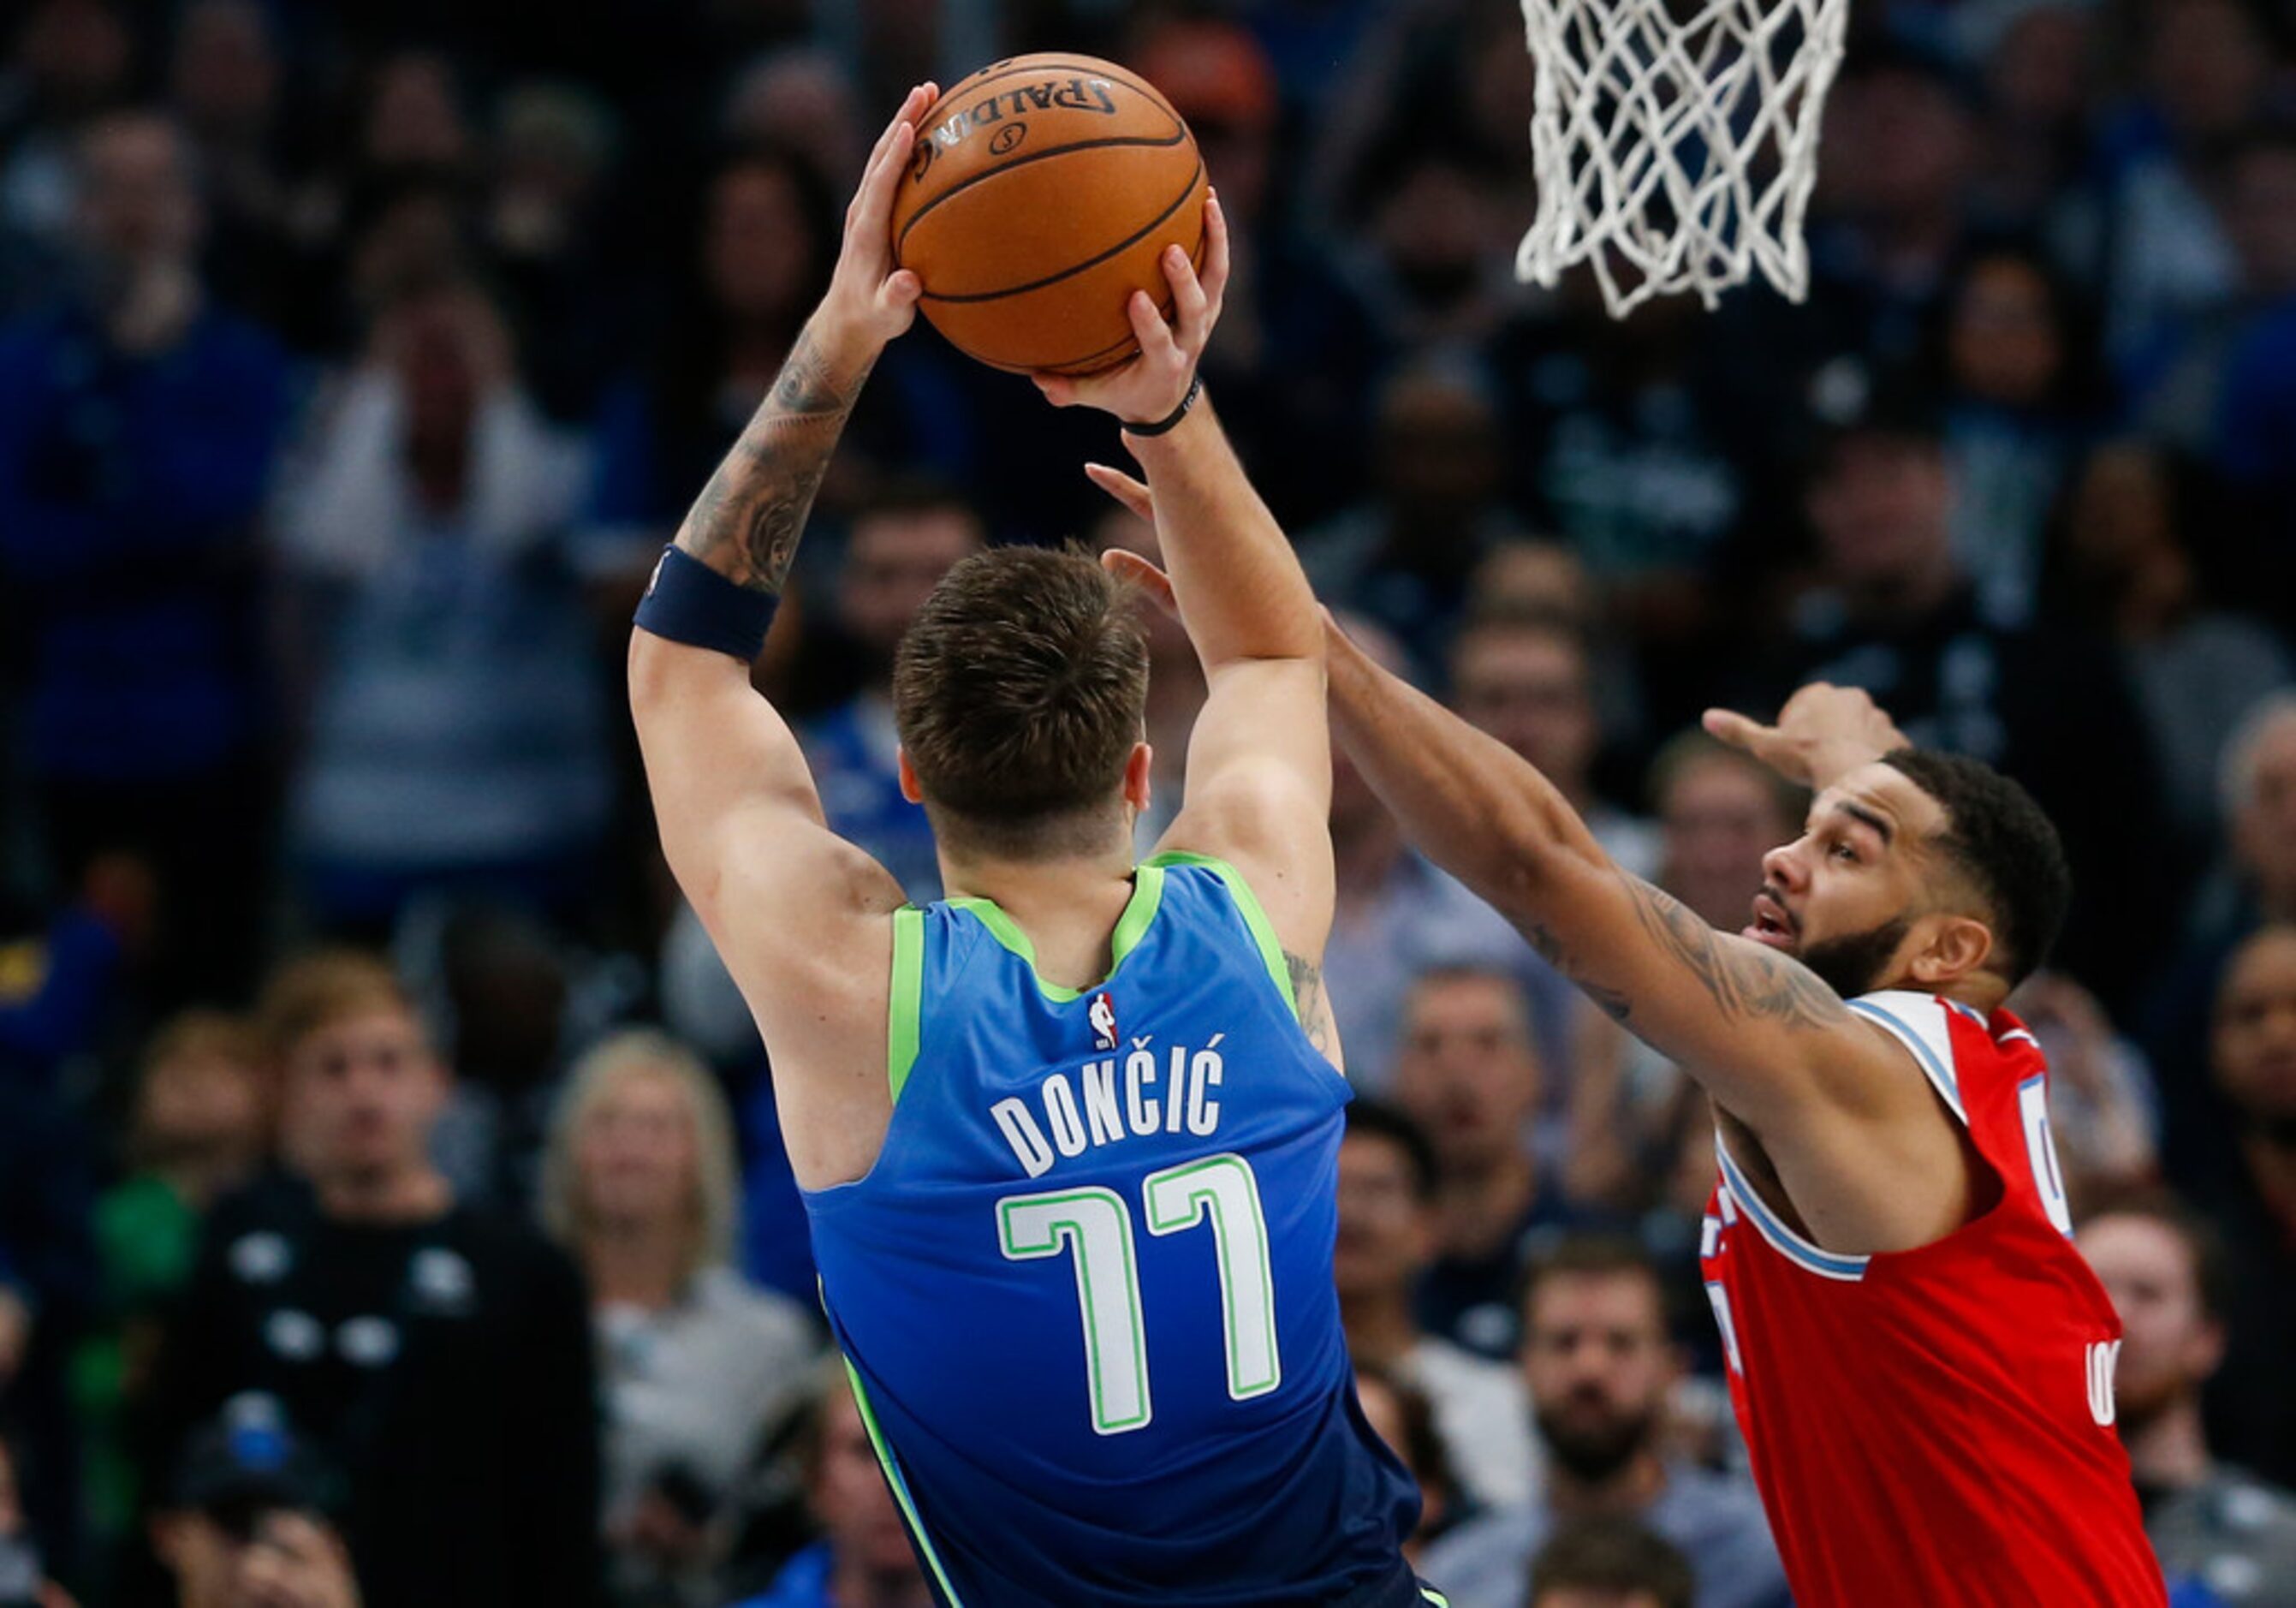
1042, 193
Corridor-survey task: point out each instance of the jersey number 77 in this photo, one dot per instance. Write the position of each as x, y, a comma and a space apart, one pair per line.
1094, 1226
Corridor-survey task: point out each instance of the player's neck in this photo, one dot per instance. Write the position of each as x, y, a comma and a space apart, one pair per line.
415, 1194
1068, 908
2170, 1450
1623, 1493
1381, 1328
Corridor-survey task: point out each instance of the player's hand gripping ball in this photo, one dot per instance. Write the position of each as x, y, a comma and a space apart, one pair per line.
1040, 195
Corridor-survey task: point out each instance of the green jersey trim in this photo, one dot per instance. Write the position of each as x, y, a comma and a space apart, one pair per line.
1246, 904
905, 1008
1139, 910
900, 1486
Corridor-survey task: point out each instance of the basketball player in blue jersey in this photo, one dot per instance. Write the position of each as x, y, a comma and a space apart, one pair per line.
1068, 1138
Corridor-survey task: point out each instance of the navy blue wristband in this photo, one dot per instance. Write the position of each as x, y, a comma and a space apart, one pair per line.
688, 602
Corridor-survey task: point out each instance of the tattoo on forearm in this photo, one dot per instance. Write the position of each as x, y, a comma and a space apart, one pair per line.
747, 520
1749, 982
1552, 950
1307, 993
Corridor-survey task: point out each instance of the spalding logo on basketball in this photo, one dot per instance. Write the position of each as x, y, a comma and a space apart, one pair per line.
1042, 191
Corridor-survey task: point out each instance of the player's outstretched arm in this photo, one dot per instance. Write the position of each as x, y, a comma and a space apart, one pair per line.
734, 801
1755, 1027
1259, 762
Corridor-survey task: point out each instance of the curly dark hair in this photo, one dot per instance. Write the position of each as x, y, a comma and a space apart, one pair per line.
1998, 836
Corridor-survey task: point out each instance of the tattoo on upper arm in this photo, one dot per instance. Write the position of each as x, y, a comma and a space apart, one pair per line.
1749, 982
1307, 994
747, 520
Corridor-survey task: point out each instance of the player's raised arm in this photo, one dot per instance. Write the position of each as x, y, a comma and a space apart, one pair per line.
734, 801
1259, 765
1756, 1026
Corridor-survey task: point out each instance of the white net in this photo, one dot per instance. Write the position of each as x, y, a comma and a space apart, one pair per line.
1676, 144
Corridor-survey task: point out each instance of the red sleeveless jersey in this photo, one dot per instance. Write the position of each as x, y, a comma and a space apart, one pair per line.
1935, 1425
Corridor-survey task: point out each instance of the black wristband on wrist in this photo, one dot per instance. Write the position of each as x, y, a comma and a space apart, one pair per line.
688, 602
1162, 426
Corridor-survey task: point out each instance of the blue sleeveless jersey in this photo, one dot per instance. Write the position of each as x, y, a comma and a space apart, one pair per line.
1085, 1291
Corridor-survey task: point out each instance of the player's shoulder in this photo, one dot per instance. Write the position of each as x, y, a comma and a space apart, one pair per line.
1950, 1041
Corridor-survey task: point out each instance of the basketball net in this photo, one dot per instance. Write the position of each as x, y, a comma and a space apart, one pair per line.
1676, 152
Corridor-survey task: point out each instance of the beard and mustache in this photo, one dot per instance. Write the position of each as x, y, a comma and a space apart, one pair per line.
1852, 964
1593, 1446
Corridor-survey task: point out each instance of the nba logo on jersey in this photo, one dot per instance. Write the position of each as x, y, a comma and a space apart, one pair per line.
1101, 1013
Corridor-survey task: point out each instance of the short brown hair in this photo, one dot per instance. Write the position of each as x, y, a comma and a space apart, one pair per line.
1589, 1254
1018, 693
1616, 1556
2213, 1277
201, 1034
319, 989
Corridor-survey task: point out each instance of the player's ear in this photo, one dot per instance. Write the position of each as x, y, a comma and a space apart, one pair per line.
1954, 947
1137, 768
909, 788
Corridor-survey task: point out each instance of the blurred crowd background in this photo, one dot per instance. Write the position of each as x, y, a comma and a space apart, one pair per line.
391, 1205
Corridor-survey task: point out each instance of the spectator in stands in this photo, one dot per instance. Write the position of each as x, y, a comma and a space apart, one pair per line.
505, 977
762, 253
2127, 535
1530, 683
136, 444
642, 1187
459, 735
2152, 242
2256, 886
244, 1524
71, 62
1397, 917
1297, 351
1894, 215
903, 541
2104, 1112
2015, 357
1404, 555
199, 1126
1387, 1206
2164, 1269
440, 1356
2039, 92
2251, 1402
225, 80
2180, 397
1599, 1366
1610, 1563
549, 230
1469, 1071
1898, 615
1400, 1415
863, 1559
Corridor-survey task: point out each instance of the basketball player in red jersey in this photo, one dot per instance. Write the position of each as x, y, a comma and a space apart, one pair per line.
1920, 1360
